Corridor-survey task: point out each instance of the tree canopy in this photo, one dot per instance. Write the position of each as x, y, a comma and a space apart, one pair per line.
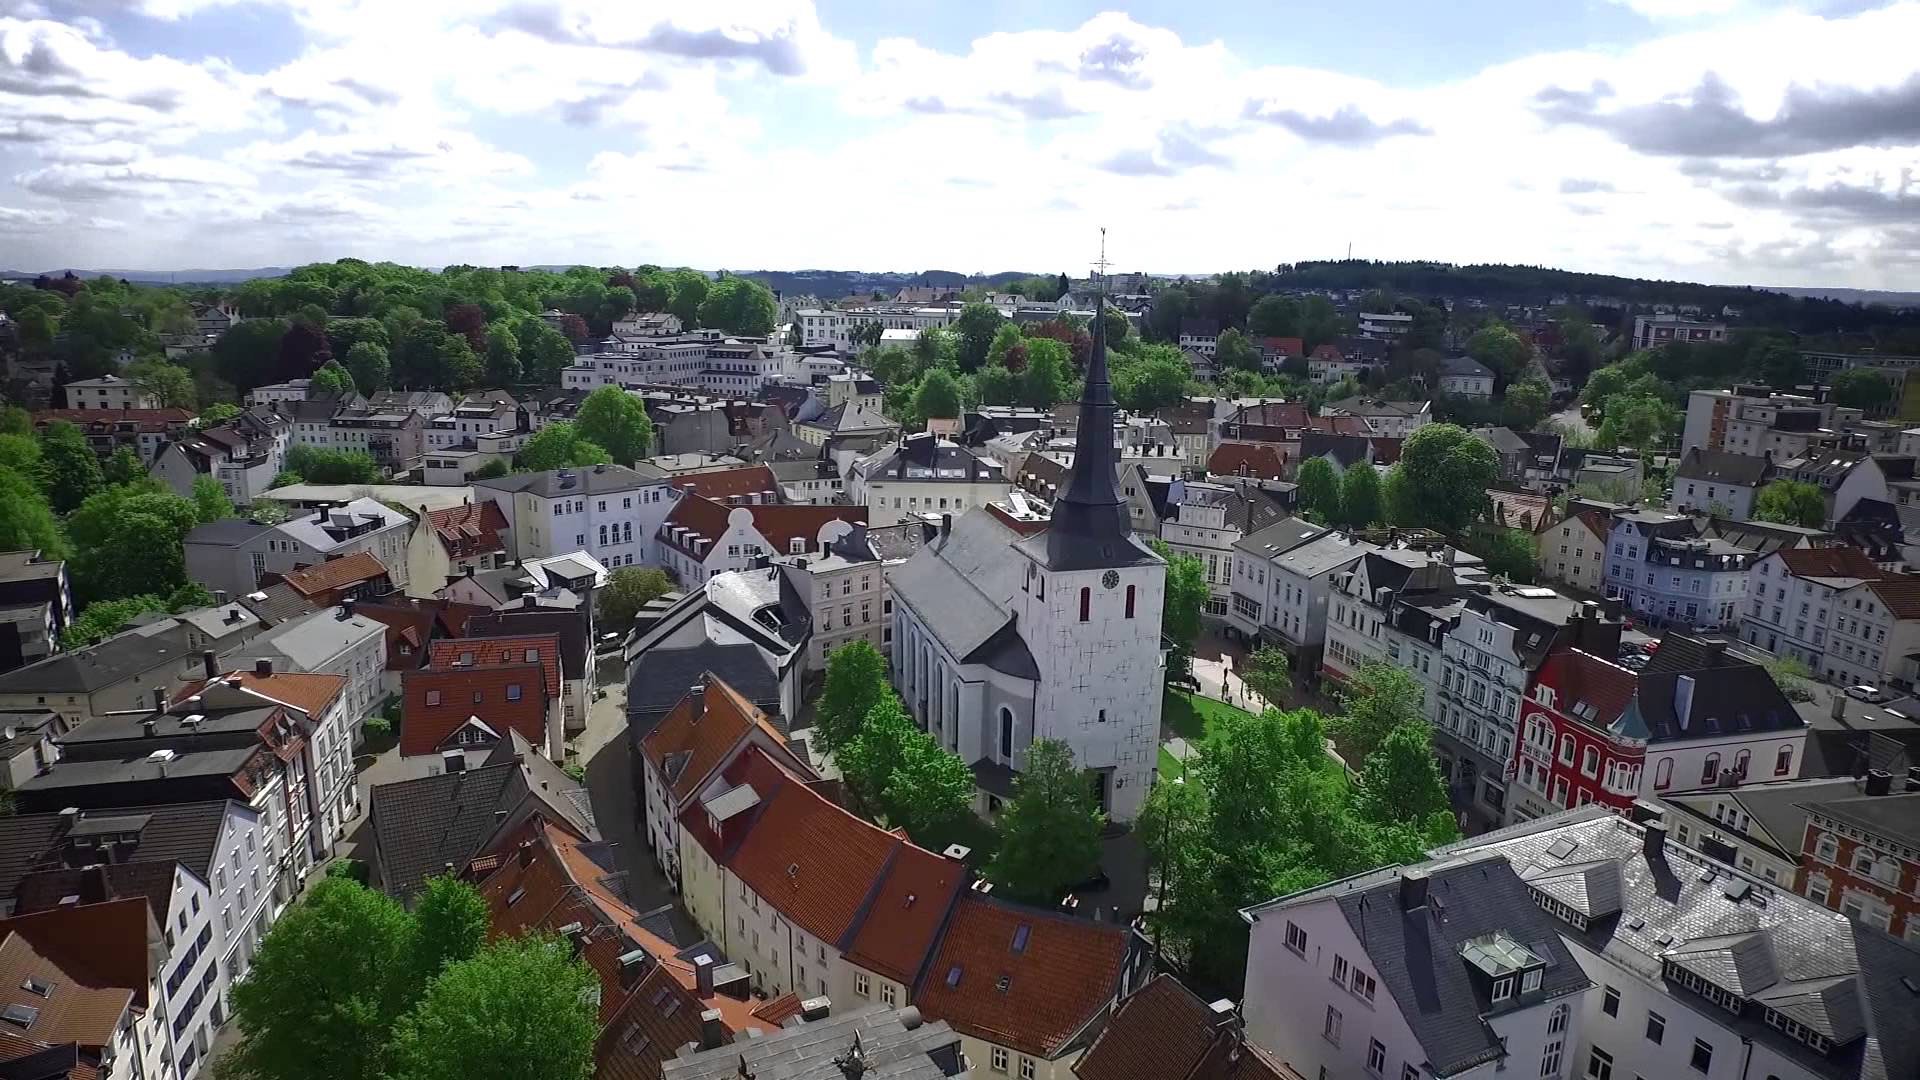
739, 306
1050, 831
617, 422
1862, 388
1791, 502
1445, 471
320, 465
856, 682
1319, 489
1184, 599
560, 445
899, 774
628, 589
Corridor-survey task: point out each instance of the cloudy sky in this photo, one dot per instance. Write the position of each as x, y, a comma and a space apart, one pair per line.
1717, 140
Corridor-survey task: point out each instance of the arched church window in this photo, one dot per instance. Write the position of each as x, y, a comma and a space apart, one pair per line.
1086, 604
1006, 733
1129, 601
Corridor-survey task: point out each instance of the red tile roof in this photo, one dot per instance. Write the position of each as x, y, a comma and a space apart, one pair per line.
779, 1010
75, 1012
905, 916
468, 654
705, 735
707, 519
1282, 346
1594, 521
148, 419
1830, 562
723, 484
1067, 972
335, 574
781, 525
1263, 460
469, 529
1580, 678
1340, 425
1518, 509
814, 862
310, 692
1166, 1032
1286, 414
1901, 595
425, 728
1326, 351
101, 944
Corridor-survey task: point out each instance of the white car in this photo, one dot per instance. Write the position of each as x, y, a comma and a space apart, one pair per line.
1863, 692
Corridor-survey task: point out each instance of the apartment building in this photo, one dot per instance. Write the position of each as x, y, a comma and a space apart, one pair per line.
1668, 573
1794, 605
1860, 855
609, 511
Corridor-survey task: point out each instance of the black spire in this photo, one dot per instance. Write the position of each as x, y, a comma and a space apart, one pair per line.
1090, 524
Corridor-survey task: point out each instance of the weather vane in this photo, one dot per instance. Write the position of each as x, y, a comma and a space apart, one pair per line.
1100, 267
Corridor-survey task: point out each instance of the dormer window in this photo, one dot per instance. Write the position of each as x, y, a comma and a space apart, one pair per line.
1502, 989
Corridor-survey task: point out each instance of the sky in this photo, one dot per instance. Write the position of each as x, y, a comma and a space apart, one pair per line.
1731, 141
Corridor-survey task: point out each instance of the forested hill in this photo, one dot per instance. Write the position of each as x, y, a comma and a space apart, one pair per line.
1543, 285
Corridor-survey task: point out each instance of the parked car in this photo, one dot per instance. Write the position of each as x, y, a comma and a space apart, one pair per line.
1864, 692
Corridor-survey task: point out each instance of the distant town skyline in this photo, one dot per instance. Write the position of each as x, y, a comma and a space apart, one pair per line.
1722, 141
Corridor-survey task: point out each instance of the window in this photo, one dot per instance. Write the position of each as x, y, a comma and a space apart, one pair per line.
1086, 604
1817, 890
1827, 849
1531, 981
1006, 732
1656, 1027
886, 994
1783, 763
1330, 1031
1740, 764
1026, 1068
433, 697
1663, 773
1702, 1058
1408, 1072
1610, 1003
1296, 939
1340, 969
863, 985
999, 1060
1557, 1022
1590, 762
1710, 769
1566, 749
1600, 1064
1362, 985
1129, 601
1503, 988
1376, 1056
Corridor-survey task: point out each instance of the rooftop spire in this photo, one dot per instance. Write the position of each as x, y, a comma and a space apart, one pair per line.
1090, 523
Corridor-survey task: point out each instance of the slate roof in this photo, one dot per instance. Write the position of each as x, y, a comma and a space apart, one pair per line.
590, 480
82, 671
1348, 450
226, 532
963, 585
891, 1049
1776, 810
1814, 965
1721, 467
1893, 816
186, 833
1060, 974
1464, 366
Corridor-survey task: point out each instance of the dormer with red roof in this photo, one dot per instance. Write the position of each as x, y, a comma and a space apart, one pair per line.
452, 540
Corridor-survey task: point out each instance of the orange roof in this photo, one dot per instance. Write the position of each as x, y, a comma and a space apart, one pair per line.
1162, 1030
466, 654
1285, 346
101, 944
814, 862
336, 574
779, 1010
705, 736
900, 925
1034, 1000
74, 1012
779, 525
1901, 595
723, 484
309, 692
1518, 509
1263, 460
469, 529
1830, 562
466, 694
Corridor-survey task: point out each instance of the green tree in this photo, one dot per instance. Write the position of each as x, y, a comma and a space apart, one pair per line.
1171, 306
1155, 377
1050, 831
324, 988
1780, 364
739, 306
856, 683
1528, 402
1639, 421
1320, 322
1509, 553
1445, 474
492, 470
123, 467
1862, 388
128, 540
502, 362
938, 396
1269, 673
210, 502
285, 477
524, 1008
15, 420
1274, 316
216, 414
26, 521
248, 354
318, 465
100, 621
1184, 599
189, 597
1500, 349
1361, 503
1790, 674
900, 774
449, 925
544, 351
331, 378
1048, 378
1380, 698
70, 469
997, 386
1319, 490
617, 422
1791, 502
1400, 785
170, 384
628, 589
560, 446
367, 363
1234, 351
1008, 349
976, 328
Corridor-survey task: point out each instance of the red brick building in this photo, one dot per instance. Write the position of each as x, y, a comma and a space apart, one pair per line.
1861, 856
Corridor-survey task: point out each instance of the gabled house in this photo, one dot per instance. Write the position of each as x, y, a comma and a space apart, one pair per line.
447, 542
1792, 607
1718, 483
456, 715
701, 537
103, 957
1165, 1031
36, 605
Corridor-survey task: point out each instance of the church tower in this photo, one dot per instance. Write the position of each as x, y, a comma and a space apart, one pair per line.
1089, 611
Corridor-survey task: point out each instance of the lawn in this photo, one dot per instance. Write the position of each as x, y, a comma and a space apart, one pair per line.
1189, 716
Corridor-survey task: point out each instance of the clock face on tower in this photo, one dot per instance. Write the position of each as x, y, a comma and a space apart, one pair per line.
1111, 579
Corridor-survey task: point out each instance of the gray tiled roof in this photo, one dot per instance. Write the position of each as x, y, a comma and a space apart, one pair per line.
895, 1044
961, 584
659, 677
114, 660
592, 480
186, 833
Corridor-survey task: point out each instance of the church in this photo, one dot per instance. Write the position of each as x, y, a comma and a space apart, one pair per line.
1007, 630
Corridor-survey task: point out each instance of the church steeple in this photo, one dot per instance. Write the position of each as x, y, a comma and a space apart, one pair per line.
1090, 523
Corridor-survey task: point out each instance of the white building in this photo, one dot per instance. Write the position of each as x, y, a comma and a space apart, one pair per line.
1385, 326
1653, 331
109, 392
1876, 635
1463, 376
330, 642
1792, 608
924, 475
609, 511
701, 538
1282, 577
1005, 633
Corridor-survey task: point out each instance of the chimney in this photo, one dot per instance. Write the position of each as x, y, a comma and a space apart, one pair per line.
703, 976
633, 965
149, 727
713, 1032
262, 667
1413, 890
346, 609
1645, 812
1879, 782
467, 569
946, 524
159, 699
816, 1008
219, 597
453, 761
697, 695
1654, 843
1683, 699
1224, 1016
